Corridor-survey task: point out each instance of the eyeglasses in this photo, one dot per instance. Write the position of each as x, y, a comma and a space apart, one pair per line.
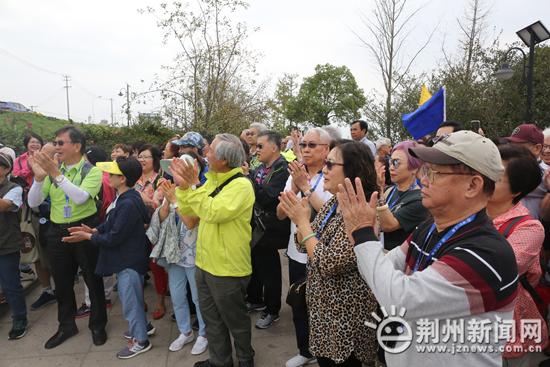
545, 146
144, 156
310, 145
330, 164
249, 133
431, 174
395, 163
61, 143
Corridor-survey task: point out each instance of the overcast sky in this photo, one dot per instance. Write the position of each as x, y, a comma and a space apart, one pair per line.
103, 44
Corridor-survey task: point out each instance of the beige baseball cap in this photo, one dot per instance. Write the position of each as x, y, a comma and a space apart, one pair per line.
466, 147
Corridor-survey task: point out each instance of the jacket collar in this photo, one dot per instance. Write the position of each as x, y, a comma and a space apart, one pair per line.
63, 167
220, 178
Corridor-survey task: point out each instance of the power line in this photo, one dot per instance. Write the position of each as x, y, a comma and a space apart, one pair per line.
50, 97
28, 63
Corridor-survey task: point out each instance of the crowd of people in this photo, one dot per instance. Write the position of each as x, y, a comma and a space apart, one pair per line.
454, 227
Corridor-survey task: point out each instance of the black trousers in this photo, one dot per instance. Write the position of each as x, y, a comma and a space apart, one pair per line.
266, 282
297, 272
65, 259
350, 362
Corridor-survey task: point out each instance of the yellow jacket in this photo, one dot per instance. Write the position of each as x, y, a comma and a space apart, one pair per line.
223, 244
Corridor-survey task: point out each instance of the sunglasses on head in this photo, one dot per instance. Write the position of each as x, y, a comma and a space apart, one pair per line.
310, 145
330, 164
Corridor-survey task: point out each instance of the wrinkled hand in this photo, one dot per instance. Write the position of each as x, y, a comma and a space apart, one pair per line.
77, 236
184, 173
246, 168
380, 175
47, 164
39, 173
82, 228
298, 210
300, 177
168, 189
357, 213
296, 136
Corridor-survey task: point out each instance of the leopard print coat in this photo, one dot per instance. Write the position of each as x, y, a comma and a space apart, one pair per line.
339, 301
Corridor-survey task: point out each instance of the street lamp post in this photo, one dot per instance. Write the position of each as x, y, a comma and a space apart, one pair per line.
531, 36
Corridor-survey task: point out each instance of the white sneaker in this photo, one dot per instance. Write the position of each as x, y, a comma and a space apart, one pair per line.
200, 346
300, 360
180, 342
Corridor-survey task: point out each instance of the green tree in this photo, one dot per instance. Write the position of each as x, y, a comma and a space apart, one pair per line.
330, 95
282, 106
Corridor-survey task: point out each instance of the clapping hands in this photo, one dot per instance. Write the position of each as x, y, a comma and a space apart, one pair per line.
356, 211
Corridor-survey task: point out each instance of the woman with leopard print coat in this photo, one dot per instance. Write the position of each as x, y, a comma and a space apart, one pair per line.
339, 301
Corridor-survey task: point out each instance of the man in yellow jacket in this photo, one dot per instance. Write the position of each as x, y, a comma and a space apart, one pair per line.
224, 205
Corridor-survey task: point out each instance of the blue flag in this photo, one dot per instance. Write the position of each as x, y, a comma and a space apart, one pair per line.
427, 118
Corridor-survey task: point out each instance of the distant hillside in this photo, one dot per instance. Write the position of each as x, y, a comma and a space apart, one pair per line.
13, 127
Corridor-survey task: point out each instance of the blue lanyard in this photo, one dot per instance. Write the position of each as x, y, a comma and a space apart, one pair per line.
392, 204
317, 182
440, 243
326, 219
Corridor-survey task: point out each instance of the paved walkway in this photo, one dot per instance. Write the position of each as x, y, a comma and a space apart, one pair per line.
273, 346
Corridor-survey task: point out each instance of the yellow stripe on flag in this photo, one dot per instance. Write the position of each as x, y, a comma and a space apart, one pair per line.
424, 95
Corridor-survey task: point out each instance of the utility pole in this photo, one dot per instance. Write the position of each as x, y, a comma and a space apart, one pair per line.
112, 120
67, 86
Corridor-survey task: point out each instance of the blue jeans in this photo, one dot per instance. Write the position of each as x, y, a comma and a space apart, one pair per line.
11, 285
130, 293
178, 276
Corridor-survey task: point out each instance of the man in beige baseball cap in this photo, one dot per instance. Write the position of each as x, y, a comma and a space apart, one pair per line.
455, 266
464, 147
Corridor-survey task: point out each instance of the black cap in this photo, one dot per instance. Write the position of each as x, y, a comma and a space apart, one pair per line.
96, 154
130, 168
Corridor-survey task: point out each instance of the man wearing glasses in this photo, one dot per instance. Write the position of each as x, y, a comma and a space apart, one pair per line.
72, 188
455, 268
269, 234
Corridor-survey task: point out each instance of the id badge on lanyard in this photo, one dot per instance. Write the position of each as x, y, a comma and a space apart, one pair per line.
67, 209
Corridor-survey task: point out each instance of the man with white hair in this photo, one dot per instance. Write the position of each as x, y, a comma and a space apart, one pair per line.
224, 206
383, 147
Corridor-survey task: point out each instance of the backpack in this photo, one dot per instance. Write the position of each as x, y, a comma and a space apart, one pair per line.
506, 230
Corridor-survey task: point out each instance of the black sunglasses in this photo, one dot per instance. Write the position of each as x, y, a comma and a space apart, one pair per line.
310, 145
60, 143
330, 164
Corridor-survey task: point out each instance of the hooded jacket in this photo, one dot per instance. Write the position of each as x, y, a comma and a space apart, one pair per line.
121, 238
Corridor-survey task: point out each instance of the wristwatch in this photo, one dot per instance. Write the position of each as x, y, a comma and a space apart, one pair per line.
57, 180
308, 193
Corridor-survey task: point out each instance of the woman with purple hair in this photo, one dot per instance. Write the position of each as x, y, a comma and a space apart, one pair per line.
400, 207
